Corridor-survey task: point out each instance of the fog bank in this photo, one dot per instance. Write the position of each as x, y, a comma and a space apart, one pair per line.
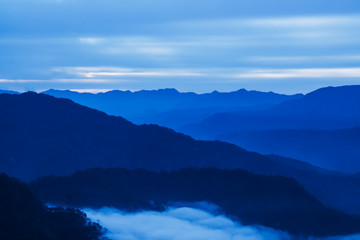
184, 223
177, 224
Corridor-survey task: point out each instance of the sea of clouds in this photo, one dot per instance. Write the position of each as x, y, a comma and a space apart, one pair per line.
183, 223
177, 224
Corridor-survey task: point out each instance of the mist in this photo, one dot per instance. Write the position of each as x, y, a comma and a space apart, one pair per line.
185, 223
177, 224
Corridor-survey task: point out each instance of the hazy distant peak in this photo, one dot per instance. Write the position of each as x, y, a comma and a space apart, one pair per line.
348, 89
29, 93
162, 91
8, 92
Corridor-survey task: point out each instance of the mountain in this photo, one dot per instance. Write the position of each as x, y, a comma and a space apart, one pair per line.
331, 149
8, 92
24, 217
170, 108
272, 201
42, 135
325, 108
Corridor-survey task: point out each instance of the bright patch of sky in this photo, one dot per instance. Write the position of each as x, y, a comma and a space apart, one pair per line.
203, 45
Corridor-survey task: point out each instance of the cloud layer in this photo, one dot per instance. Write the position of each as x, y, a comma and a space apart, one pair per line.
185, 223
177, 224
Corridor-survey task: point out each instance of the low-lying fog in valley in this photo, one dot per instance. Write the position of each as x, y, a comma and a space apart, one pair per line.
183, 223
177, 223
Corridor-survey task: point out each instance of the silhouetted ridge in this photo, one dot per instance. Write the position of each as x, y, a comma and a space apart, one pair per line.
272, 201
325, 108
166, 106
43, 135
321, 128
337, 150
24, 217
8, 92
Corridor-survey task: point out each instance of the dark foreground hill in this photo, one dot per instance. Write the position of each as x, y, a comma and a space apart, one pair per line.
24, 217
271, 201
41, 135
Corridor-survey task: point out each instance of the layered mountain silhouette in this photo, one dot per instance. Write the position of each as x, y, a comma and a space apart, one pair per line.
320, 128
24, 217
271, 201
325, 108
332, 149
8, 92
43, 135
168, 107
295, 126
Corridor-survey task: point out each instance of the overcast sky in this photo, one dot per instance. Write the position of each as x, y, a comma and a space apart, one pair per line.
284, 46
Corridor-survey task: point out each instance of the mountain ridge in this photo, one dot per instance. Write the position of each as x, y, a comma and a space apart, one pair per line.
325, 108
149, 106
43, 135
271, 201
322, 148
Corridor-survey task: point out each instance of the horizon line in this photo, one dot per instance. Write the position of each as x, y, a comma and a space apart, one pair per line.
99, 91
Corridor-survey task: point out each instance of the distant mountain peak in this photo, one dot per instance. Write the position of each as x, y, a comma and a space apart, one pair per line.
346, 89
241, 90
8, 92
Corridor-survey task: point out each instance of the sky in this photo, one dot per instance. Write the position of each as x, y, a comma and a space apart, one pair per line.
285, 46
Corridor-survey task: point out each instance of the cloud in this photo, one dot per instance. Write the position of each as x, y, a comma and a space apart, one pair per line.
84, 80
300, 73
178, 224
20, 81
270, 31
185, 223
93, 72
109, 72
184, 44
213, 36
91, 40
122, 45
306, 21
155, 50
62, 80
303, 59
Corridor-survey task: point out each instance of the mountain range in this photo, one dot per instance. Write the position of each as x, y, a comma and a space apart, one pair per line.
43, 135
171, 108
325, 108
305, 127
333, 149
320, 128
271, 201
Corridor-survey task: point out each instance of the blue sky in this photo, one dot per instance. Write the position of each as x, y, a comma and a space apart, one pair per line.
284, 46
